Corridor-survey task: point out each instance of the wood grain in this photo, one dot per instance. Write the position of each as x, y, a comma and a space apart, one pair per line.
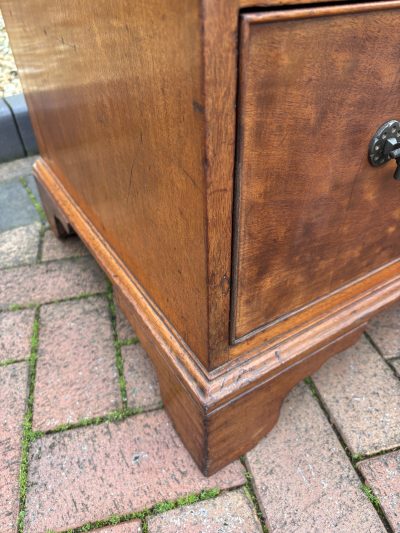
116, 95
310, 214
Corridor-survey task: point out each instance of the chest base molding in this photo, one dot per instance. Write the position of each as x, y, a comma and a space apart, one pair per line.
222, 413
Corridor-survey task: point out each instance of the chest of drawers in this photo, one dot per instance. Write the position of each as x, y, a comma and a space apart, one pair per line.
229, 165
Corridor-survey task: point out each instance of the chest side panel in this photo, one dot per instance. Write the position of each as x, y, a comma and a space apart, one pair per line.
115, 91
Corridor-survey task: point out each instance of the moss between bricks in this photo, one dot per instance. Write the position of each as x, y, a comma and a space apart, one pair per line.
119, 362
82, 296
251, 495
371, 496
32, 198
27, 433
158, 508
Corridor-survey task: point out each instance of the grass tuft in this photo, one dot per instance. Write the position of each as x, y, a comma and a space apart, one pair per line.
371, 496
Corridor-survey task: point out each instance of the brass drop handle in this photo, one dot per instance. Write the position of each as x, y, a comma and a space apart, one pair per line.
385, 145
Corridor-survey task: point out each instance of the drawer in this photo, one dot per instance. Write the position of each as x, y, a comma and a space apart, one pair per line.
312, 214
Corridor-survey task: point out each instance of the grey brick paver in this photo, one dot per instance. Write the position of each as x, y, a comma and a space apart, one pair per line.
19, 246
384, 331
362, 396
76, 376
303, 478
50, 281
54, 248
141, 379
382, 474
15, 334
17, 169
16, 207
13, 393
91, 473
231, 512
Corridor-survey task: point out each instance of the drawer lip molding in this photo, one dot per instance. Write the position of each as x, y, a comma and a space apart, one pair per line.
308, 11
198, 401
297, 316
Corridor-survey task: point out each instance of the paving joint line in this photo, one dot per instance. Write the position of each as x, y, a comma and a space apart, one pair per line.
112, 417
39, 253
156, 509
33, 305
373, 499
250, 492
34, 201
8, 362
72, 259
119, 361
379, 352
27, 433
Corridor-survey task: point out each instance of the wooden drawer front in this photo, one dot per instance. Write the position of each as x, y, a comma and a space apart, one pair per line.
312, 214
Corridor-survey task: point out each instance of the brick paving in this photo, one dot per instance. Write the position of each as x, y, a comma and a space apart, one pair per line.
54, 248
98, 452
15, 334
363, 397
232, 512
124, 329
383, 475
13, 393
77, 348
141, 379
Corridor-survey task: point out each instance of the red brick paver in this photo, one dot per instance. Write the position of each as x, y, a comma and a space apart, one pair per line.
15, 334
384, 331
124, 329
231, 512
127, 527
141, 379
76, 375
54, 248
50, 281
94, 472
362, 396
382, 474
303, 478
13, 392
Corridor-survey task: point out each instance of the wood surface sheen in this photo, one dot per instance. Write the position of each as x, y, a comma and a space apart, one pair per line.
116, 95
134, 107
314, 215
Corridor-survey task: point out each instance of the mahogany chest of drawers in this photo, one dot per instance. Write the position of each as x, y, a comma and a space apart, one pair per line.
230, 166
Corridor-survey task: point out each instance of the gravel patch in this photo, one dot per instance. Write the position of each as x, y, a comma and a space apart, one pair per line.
9, 80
